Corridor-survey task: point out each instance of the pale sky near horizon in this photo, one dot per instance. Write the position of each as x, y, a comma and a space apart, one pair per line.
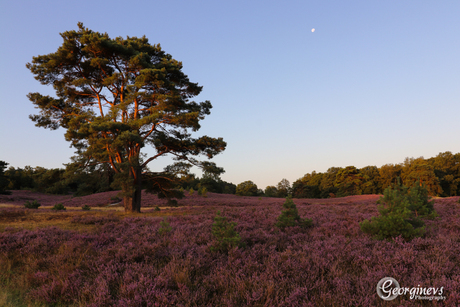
377, 81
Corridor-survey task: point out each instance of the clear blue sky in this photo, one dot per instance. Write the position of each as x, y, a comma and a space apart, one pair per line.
376, 82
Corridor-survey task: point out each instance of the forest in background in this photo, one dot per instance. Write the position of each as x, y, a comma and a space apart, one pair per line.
440, 175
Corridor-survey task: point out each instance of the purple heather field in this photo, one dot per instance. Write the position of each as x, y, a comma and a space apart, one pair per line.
112, 259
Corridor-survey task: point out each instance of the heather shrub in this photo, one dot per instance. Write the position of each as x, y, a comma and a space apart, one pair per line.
225, 234
32, 205
86, 208
401, 210
164, 227
127, 263
9, 213
58, 207
290, 216
94, 220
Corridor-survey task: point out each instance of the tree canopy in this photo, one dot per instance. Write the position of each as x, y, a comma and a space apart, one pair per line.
440, 175
3, 179
247, 188
116, 96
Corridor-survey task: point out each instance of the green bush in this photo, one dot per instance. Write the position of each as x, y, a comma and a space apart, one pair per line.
225, 234
393, 224
32, 205
58, 207
86, 208
190, 192
164, 227
157, 208
204, 192
401, 211
290, 216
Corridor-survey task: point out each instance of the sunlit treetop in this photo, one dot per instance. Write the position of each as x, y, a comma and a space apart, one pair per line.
115, 96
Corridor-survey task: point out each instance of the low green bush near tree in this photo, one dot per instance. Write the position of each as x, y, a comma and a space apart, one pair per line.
32, 205
401, 212
58, 207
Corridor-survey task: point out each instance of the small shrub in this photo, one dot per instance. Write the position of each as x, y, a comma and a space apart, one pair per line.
401, 210
226, 235
58, 207
164, 227
191, 191
393, 224
290, 216
204, 192
86, 208
157, 208
32, 205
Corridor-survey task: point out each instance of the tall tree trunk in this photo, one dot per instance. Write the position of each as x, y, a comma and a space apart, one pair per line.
132, 198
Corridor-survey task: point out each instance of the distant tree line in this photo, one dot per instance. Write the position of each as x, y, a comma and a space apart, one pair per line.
440, 175
78, 180
73, 179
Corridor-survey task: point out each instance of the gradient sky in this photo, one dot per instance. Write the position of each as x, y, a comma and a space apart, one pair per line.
376, 82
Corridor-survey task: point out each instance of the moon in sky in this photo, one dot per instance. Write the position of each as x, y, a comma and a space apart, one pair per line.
313, 30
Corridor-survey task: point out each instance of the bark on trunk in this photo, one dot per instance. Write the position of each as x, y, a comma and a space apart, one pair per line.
132, 201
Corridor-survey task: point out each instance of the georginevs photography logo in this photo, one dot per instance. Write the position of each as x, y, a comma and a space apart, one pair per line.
388, 289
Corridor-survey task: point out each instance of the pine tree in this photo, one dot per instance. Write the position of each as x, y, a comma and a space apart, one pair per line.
226, 235
116, 96
401, 211
290, 216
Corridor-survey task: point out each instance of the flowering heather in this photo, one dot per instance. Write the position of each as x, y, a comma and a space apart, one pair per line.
126, 262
